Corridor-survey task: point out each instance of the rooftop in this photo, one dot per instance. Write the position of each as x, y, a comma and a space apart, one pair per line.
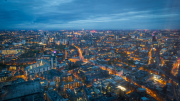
54, 96
39, 64
21, 89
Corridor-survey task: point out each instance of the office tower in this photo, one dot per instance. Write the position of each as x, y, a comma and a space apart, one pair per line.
53, 60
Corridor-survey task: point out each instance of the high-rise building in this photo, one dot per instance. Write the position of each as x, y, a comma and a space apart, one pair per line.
153, 37
154, 40
153, 48
65, 53
53, 60
117, 37
86, 52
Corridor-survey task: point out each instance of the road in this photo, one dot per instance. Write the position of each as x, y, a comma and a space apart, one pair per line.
160, 68
111, 71
167, 75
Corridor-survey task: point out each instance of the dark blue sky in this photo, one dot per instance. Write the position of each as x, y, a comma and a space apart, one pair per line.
90, 14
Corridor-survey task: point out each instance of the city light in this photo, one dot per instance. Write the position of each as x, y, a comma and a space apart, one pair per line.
122, 88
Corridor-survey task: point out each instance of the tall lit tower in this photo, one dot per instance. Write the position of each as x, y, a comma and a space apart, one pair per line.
53, 60
154, 39
66, 52
152, 50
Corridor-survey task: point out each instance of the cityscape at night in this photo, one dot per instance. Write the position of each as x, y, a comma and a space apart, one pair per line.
89, 50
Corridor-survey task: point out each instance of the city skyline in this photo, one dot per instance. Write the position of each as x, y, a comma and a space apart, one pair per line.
75, 14
90, 65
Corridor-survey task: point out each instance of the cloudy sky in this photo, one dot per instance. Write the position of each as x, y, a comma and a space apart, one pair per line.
90, 14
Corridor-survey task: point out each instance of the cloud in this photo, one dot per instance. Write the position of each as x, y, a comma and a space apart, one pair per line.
97, 14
